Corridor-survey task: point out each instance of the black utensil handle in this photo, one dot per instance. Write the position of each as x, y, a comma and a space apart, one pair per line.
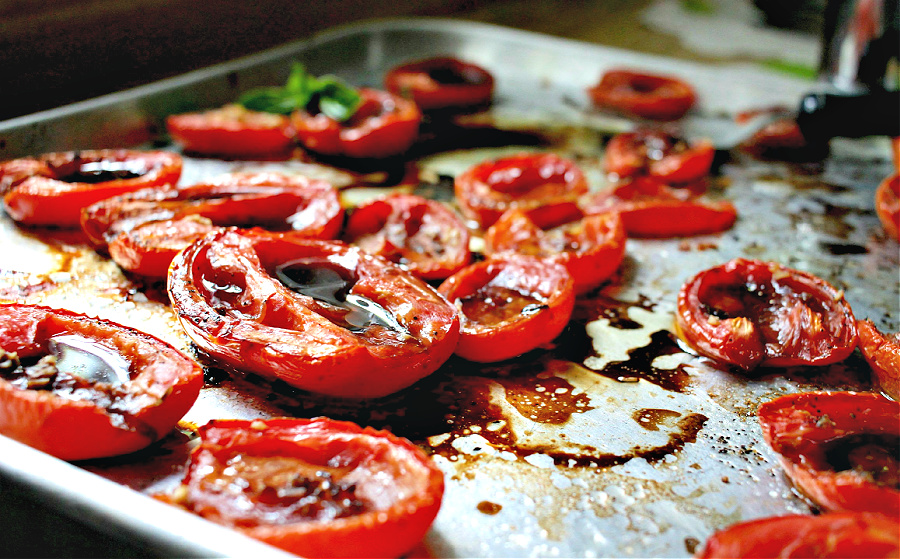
823, 116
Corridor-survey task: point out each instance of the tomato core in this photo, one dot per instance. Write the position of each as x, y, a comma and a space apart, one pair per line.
874, 456
494, 303
95, 172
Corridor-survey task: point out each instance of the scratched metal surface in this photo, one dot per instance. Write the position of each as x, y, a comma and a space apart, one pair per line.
615, 441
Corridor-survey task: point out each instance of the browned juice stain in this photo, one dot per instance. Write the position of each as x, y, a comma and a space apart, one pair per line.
651, 418
488, 507
545, 400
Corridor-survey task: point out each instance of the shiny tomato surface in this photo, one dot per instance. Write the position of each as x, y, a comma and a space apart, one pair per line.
79, 387
315, 487
51, 190
590, 247
319, 315
509, 305
421, 235
882, 352
887, 205
441, 83
659, 155
803, 536
651, 209
145, 229
839, 448
384, 125
524, 181
750, 313
232, 131
644, 95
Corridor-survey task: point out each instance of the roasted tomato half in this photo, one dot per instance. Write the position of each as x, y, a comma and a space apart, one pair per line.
644, 95
803, 536
232, 131
590, 247
320, 315
78, 387
422, 235
750, 313
651, 209
842, 449
384, 125
659, 155
509, 305
315, 487
145, 229
882, 352
53, 188
441, 83
525, 181
887, 205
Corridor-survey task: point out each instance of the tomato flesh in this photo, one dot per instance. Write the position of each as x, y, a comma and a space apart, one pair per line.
882, 352
642, 94
887, 205
441, 83
658, 155
232, 131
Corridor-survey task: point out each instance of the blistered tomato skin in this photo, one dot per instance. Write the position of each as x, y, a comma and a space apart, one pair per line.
441, 83
839, 448
384, 125
887, 205
509, 305
590, 247
232, 131
422, 235
750, 313
882, 352
644, 95
804, 536
322, 316
314, 487
130, 403
658, 155
51, 190
144, 230
525, 181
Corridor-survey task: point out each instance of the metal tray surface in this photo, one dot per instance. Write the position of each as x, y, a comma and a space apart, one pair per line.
617, 441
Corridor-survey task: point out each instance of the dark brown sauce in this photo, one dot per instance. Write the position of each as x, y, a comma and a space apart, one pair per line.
545, 399
490, 508
840, 249
639, 364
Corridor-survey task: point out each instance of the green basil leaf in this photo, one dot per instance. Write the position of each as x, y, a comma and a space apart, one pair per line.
269, 100
332, 96
337, 100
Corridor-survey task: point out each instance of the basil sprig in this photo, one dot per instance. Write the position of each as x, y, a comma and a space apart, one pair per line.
333, 97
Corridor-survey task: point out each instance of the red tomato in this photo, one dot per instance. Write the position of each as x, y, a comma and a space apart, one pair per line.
590, 247
322, 316
525, 181
800, 536
145, 229
53, 188
232, 131
509, 305
883, 355
384, 125
750, 313
420, 234
441, 82
78, 387
887, 205
315, 487
658, 155
839, 448
644, 95
652, 209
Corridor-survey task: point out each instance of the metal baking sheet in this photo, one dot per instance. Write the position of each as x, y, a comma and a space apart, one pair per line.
616, 441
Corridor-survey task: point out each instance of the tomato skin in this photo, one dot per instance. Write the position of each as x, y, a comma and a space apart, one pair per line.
799, 427
801, 536
525, 181
486, 339
887, 205
426, 83
423, 235
40, 197
73, 429
641, 94
651, 209
590, 247
882, 352
232, 131
384, 125
226, 296
658, 155
805, 320
408, 484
